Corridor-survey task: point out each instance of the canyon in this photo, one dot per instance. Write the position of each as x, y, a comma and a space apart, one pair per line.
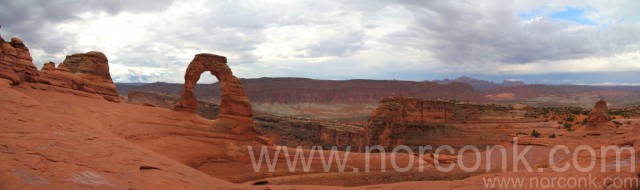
333, 99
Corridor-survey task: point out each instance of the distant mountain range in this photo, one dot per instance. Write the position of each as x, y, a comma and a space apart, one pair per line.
360, 91
480, 84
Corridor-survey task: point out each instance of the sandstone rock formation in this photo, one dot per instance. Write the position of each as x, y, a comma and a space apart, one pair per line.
388, 123
87, 72
235, 111
61, 67
418, 122
15, 62
49, 66
599, 117
92, 64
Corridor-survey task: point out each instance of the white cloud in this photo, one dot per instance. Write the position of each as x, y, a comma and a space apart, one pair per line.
622, 62
334, 39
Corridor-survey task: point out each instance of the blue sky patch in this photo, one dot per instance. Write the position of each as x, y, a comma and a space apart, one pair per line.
569, 14
572, 14
528, 15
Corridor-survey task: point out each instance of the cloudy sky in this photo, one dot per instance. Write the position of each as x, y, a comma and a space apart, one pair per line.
575, 42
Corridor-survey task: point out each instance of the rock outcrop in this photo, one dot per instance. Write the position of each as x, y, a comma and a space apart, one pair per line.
49, 66
599, 117
388, 124
15, 62
88, 72
417, 122
93, 64
235, 111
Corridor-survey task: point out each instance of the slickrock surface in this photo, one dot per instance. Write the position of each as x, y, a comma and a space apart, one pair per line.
58, 138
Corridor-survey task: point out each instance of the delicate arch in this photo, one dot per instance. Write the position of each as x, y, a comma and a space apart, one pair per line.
235, 111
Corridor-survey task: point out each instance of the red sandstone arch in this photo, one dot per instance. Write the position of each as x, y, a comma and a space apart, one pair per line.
235, 111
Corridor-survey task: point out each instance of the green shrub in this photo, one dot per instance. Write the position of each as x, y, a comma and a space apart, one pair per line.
535, 134
618, 124
553, 135
569, 119
567, 126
